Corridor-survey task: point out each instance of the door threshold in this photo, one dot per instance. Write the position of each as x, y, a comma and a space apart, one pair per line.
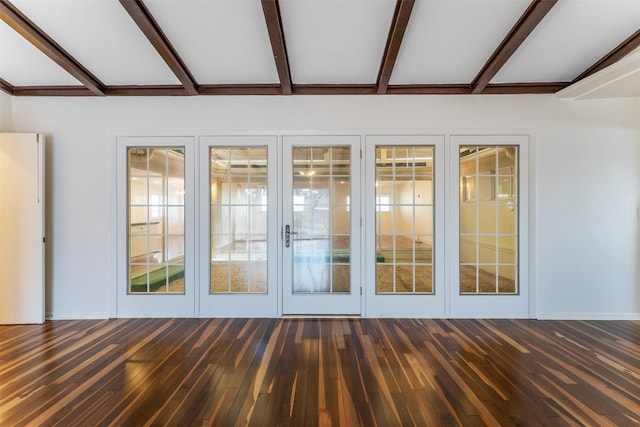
321, 316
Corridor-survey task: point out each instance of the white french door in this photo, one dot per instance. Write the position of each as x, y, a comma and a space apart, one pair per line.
405, 226
156, 227
239, 226
489, 226
321, 223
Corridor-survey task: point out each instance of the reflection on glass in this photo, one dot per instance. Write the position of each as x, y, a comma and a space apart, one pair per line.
321, 219
238, 207
488, 220
404, 219
156, 220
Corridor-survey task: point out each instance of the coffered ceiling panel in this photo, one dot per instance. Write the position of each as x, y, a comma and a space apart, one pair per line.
102, 37
335, 42
448, 41
574, 35
219, 41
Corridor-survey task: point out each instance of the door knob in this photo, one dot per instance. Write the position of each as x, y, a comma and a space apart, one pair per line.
287, 235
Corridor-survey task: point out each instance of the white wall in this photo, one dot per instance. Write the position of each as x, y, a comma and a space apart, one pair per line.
586, 158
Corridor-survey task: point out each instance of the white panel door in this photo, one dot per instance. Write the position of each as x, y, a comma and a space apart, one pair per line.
489, 227
321, 199
21, 228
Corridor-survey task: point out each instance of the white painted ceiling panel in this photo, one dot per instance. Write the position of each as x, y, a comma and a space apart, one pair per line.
102, 37
220, 41
23, 64
449, 41
573, 36
336, 42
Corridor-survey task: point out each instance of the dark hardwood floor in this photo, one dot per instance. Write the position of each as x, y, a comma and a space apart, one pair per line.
303, 372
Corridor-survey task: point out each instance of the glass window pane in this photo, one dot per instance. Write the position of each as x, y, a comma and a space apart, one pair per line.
138, 190
404, 278
239, 272
258, 274
175, 248
424, 278
176, 191
138, 279
487, 280
219, 277
507, 279
384, 278
175, 220
469, 250
468, 219
157, 191
340, 278
487, 219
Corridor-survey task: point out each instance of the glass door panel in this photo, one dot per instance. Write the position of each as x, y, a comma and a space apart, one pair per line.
489, 212
319, 211
404, 219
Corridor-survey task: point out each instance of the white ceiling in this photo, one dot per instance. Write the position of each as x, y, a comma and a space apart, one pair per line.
328, 42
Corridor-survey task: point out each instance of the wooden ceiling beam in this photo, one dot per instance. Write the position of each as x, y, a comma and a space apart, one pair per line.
53, 91
529, 20
334, 89
273, 20
143, 19
34, 35
619, 52
524, 88
274, 89
6, 87
394, 41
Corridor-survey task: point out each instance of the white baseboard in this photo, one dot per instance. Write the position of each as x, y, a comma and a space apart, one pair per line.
78, 316
587, 316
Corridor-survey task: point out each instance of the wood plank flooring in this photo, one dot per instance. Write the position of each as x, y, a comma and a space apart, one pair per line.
320, 372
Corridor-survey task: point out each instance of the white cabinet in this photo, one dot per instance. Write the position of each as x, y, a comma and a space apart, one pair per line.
21, 228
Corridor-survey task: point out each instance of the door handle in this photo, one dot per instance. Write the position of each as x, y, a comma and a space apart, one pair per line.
287, 235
